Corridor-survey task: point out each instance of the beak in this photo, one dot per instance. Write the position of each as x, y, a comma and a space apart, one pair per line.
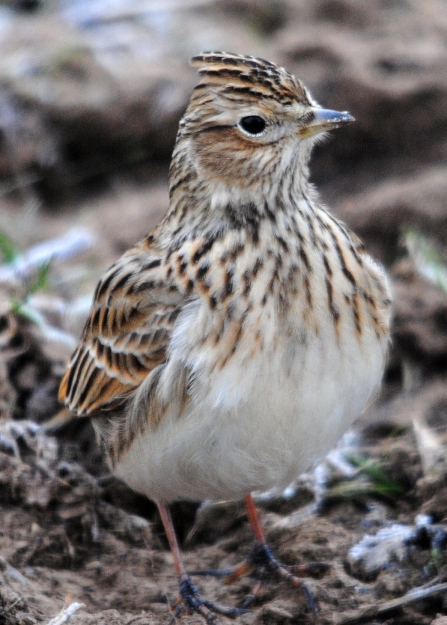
325, 119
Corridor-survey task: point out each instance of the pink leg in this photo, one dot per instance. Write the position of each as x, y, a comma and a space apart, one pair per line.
253, 518
189, 593
263, 558
262, 561
166, 518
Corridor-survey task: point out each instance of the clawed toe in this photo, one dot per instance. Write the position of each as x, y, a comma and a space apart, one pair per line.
261, 564
193, 602
264, 562
228, 576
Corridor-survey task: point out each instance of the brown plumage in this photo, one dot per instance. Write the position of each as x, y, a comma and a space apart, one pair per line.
126, 336
231, 347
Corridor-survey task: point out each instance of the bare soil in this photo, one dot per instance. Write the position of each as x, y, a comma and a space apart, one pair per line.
89, 105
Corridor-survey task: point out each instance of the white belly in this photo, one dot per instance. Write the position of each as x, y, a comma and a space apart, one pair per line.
258, 422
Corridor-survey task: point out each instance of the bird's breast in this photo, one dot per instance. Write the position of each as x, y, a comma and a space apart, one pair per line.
277, 364
257, 415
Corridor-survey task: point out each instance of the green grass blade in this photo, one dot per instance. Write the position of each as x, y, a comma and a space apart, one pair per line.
8, 250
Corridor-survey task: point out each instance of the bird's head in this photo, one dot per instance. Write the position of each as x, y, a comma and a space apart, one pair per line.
249, 119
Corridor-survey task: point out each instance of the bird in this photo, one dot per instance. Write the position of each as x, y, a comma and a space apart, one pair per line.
229, 349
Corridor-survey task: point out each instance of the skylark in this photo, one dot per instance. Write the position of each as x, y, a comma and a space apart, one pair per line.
232, 346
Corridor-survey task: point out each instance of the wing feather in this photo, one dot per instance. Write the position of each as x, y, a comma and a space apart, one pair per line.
127, 334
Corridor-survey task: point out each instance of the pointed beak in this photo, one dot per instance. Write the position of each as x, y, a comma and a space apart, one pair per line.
325, 119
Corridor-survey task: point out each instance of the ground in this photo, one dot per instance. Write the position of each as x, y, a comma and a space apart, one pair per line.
90, 100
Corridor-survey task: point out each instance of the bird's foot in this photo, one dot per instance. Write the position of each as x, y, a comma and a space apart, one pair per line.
193, 602
264, 563
260, 564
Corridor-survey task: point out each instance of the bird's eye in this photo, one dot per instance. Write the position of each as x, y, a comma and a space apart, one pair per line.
252, 125
307, 117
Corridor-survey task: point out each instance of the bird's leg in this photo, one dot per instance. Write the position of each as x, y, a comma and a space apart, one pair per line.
191, 599
262, 562
263, 559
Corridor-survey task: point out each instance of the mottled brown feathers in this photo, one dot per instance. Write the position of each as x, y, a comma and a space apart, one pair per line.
247, 77
230, 349
245, 252
126, 336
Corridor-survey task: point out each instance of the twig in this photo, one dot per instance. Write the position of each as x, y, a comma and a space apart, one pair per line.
9, 607
12, 572
65, 613
371, 611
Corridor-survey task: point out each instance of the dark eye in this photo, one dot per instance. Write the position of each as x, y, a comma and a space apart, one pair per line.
252, 124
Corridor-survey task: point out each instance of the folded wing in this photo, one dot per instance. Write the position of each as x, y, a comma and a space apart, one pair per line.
135, 307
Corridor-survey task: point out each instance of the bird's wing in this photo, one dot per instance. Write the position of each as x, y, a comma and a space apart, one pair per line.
135, 307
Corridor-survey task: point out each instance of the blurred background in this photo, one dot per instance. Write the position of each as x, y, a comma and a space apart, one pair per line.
91, 92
